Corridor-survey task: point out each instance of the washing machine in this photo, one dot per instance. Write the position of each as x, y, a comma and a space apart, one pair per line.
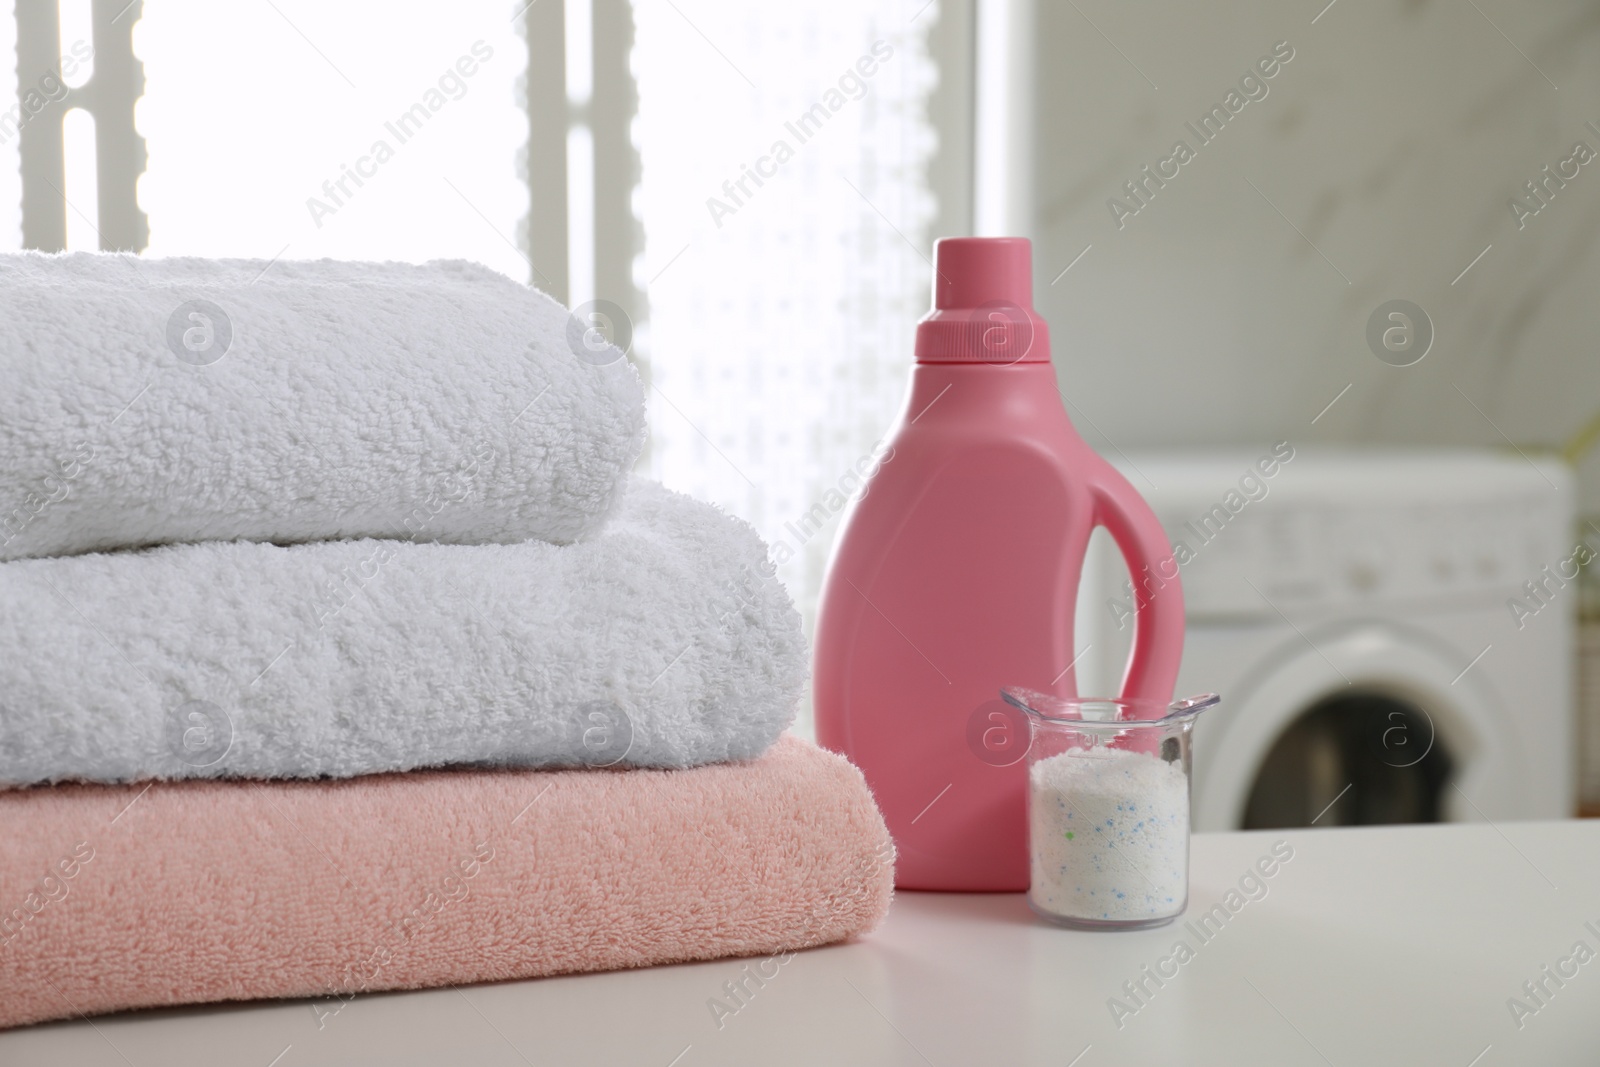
1391, 631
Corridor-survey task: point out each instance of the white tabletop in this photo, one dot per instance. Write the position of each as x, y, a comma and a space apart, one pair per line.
1371, 946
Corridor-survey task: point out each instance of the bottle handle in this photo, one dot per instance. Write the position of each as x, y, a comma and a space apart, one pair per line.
1152, 672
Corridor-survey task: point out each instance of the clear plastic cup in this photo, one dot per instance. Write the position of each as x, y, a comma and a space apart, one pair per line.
1108, 808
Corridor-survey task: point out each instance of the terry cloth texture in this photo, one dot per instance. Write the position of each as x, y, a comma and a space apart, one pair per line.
664, 641
193, 892
145, 402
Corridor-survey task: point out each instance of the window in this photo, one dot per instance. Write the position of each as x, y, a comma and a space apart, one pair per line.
755, 188
787, 212
264, 123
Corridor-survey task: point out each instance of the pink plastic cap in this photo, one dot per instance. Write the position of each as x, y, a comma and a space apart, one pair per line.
983, 304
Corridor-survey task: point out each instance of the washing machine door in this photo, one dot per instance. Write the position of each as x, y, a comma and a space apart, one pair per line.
1357, 722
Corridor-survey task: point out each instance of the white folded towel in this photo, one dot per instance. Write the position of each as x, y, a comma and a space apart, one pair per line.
661, 642
146, 402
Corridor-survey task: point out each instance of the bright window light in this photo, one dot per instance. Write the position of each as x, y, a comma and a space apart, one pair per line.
783, 292
579, 18
305, 129
77, 42
580, 216
82, 185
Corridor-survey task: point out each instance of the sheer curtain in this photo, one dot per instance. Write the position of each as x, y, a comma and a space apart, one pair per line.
786, 207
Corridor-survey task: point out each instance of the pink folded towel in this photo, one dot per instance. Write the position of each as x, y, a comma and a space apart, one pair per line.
117, 897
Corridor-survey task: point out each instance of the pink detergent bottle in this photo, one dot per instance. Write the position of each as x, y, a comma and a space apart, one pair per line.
956, 573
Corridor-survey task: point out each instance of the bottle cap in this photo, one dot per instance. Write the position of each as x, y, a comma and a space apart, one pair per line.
983, 304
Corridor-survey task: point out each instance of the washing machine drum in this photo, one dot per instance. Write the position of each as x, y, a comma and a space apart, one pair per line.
1373, 725
1377, 748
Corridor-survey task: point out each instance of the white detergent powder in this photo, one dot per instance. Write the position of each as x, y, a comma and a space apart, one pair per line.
1109, 835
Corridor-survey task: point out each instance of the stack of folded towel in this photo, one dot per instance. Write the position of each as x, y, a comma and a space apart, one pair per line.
340, 652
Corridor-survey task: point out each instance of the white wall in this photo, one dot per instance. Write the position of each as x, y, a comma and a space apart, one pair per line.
1393, 140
